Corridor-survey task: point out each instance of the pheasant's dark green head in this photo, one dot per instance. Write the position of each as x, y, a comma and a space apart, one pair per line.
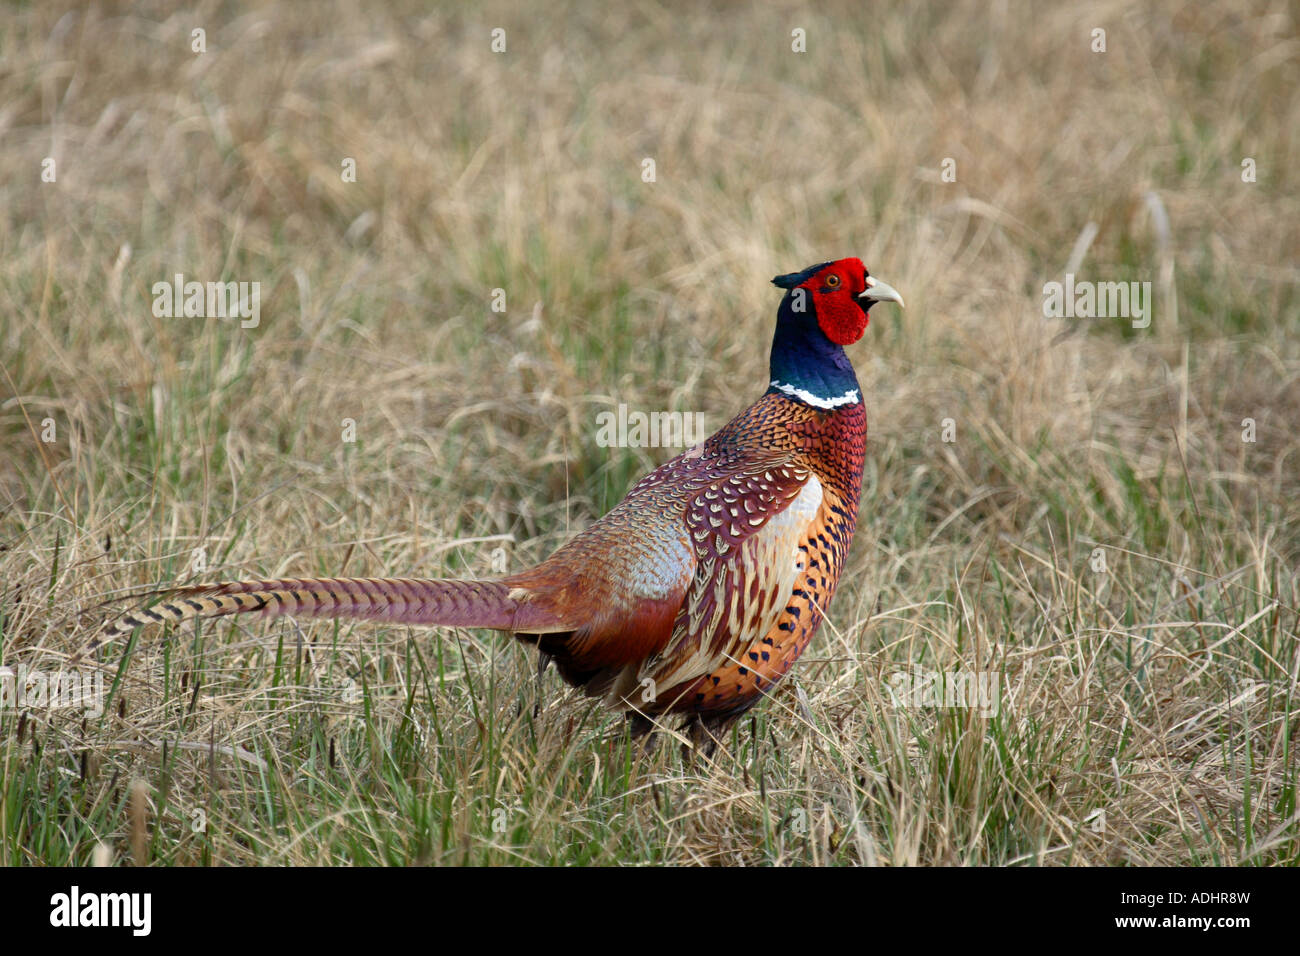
824, 309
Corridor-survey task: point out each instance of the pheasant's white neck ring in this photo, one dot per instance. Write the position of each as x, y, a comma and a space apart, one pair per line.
851, 397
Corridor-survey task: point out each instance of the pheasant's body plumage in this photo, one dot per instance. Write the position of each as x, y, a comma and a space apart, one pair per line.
713, 573
696, 594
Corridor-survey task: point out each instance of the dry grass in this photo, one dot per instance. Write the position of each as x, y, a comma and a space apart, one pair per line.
1162, 691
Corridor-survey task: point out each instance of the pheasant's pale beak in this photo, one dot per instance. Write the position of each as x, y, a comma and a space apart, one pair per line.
878, 291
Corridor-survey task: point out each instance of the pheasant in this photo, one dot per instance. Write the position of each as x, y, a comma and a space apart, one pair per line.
694, 596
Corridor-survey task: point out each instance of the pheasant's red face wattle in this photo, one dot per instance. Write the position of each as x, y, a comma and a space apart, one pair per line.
834, 291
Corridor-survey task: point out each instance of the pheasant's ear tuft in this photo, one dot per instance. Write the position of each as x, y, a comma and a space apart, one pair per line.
792, 280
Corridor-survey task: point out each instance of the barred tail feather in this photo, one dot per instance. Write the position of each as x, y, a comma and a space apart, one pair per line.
447, 603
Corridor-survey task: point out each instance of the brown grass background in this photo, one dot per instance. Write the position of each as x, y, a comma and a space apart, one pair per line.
1162, 691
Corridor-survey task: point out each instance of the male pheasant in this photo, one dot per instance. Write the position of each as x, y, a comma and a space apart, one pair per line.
696, 594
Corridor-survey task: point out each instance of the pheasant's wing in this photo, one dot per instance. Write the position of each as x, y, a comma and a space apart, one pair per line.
697, 556
745, 531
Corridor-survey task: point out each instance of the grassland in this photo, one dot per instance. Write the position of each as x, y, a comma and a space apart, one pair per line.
1097, 534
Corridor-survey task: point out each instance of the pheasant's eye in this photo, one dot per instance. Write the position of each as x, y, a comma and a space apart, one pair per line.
832, 281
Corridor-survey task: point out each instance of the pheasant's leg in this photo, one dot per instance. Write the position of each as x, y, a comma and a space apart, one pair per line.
705, 734
543, 660
642, 730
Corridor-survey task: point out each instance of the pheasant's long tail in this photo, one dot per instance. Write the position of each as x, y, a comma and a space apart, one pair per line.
448, 603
